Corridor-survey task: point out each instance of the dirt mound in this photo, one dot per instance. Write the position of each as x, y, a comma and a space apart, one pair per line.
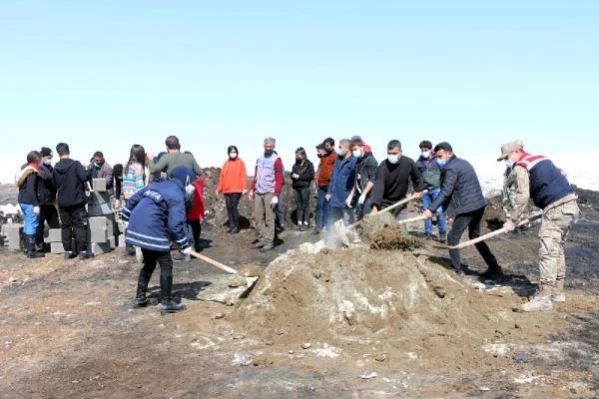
364, 296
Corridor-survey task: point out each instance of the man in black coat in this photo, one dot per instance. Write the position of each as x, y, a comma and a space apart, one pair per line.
393, 181
462, 197
70, 177
47, 197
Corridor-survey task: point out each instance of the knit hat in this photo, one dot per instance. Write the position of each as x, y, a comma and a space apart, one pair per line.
184, 175
46, 152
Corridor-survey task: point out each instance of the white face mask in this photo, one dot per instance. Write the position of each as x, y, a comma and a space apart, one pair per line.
47, 162
509, 163
426, 154
233, 155
393, 158
341, 152
357, 153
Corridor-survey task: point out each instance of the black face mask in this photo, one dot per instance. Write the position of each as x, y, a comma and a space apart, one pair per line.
329, 150
268, 152
319, 155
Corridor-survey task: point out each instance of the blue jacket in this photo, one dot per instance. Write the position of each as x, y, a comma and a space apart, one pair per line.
547, 183
157, 216
342, 181
460, 189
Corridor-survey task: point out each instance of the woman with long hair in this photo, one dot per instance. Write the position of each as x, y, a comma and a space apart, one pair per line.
134, 177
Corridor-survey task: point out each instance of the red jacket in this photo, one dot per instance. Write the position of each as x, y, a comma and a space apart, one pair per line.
198, 212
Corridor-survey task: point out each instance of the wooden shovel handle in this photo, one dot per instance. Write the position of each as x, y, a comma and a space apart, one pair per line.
390, 208
414, 219
213, 262
492, 234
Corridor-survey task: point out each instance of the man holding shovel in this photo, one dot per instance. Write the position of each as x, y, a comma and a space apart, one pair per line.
538, 178
462, 197
393, 181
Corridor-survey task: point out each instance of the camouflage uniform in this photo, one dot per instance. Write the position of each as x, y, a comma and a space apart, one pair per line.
557, 221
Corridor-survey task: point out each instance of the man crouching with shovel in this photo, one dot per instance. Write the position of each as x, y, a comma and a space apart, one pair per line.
537, 177
154, 215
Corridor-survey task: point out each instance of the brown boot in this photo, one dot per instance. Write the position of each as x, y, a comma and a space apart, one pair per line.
541, 301
558, 294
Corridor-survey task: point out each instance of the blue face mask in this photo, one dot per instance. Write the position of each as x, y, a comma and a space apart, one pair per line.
441, 162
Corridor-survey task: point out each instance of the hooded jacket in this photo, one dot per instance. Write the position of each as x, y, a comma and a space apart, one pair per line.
27, 184
46, 191
157, 216
69, 178
305, 173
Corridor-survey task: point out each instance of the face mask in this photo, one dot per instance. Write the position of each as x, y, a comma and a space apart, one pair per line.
441, 162
319, 155
299, 160
98, 165
328, 150
509, 163
357, 153
393, 158
426, 154
268, 152
47, 162
341, 152
233, 155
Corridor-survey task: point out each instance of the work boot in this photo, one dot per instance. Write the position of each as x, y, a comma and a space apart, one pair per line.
267, 247
493, 273
558, 294
168, 306
540, 302
86, 255
442, 237
69, 255
258, 245
428, 236
32, 252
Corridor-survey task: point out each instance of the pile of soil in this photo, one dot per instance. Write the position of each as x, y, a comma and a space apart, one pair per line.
394, 300
383, 232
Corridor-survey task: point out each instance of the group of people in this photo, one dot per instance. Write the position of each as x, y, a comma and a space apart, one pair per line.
163, 200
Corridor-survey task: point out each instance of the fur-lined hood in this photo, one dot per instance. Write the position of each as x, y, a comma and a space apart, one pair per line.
25, 172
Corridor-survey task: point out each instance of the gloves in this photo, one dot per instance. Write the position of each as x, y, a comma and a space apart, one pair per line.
348, 202
36, 210
186, 251
509, 225
117, 204
274, 201
362, 199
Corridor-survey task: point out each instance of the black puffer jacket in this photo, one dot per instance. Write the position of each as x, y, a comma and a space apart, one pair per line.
69, 178
46, 191
27, 184
460, 189
305, 172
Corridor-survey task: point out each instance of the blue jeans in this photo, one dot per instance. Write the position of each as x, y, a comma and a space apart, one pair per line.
427, 200
30, 220
364, 210
323, 209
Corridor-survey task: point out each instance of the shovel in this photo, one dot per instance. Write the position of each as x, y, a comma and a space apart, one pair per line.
410, 220
390, 208
241, 284
485, 237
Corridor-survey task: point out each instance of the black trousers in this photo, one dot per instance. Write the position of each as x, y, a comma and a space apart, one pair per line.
196, 230
470, 221
151, 259
302, 203
74, 221
48, 213
232, 202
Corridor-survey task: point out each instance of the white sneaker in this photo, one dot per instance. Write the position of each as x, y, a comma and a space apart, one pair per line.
558, 297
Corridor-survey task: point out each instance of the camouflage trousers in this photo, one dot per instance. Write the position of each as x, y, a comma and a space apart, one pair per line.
557, 223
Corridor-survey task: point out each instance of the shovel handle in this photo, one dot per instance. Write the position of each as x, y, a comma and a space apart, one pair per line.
390, 208
414, 219
213, 262
492, 234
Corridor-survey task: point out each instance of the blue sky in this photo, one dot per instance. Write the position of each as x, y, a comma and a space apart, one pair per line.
108, 74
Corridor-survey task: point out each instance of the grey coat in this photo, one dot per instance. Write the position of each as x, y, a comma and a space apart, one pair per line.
460, 189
